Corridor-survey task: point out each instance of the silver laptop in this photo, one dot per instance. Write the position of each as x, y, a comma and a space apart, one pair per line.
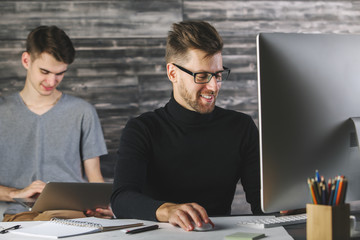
69, 196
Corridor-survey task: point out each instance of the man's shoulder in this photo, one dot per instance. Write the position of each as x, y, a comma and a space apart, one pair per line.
8, 97
74, 107
148, 119
235, 119
222, 112
76, 102
74, 99
8, 100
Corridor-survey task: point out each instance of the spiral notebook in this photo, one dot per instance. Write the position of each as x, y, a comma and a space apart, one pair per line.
60, 228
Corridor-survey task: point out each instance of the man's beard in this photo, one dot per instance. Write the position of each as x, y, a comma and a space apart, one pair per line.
197, 104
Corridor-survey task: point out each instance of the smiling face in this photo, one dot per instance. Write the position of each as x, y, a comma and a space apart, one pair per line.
200, 98
44, 73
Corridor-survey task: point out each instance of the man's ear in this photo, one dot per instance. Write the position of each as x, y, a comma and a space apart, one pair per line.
26, 60
171, 72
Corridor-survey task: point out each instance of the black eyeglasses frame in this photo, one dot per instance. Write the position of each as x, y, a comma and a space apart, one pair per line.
209, 73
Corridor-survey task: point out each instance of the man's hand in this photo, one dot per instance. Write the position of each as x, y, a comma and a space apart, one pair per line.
183, 215
35, 188
100, 212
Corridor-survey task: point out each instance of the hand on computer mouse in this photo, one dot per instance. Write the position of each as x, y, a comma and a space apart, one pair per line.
186, 215
205, 227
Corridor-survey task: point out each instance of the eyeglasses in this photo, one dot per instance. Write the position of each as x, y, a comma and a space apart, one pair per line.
205, 77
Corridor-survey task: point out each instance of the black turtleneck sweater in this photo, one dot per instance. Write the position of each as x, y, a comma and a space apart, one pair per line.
180, 156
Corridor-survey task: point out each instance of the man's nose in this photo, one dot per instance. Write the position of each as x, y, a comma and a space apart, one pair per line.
51, 80
213, 84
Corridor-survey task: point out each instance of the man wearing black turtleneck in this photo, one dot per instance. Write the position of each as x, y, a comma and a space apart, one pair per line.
181, 163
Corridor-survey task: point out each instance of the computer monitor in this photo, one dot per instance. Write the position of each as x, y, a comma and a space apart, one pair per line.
309, 89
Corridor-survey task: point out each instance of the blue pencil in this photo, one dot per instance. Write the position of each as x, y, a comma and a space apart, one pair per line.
317, 176
336, 191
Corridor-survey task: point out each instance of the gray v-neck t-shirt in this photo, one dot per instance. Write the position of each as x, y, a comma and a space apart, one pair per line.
47, 147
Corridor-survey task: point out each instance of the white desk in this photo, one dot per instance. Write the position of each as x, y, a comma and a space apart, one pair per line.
224, 226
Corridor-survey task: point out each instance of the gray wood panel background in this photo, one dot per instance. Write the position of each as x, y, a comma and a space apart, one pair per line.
120, 45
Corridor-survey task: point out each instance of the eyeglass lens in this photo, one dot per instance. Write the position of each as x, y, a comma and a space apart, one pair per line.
205, 77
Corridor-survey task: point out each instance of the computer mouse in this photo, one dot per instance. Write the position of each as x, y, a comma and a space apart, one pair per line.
204, 227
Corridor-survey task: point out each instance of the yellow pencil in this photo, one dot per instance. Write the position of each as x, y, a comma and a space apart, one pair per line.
312, 191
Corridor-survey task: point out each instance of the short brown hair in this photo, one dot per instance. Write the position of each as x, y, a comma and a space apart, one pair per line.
52, 40
192, 35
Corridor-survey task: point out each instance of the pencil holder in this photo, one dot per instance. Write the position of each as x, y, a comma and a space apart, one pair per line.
328, 222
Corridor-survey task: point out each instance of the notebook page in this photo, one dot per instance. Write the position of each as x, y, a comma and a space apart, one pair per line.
52, 229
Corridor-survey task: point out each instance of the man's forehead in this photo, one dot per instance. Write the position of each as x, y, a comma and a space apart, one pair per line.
201, 58
48, 63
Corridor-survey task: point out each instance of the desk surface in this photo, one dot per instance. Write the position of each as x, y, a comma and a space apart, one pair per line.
224, 226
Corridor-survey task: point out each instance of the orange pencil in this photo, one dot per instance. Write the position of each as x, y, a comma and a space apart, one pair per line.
339, 192
343, 194
312, 191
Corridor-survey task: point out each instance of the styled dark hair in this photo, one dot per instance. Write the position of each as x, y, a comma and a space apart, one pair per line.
188, 35
52, 40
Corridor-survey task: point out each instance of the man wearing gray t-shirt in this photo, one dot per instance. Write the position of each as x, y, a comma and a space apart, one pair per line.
46, 135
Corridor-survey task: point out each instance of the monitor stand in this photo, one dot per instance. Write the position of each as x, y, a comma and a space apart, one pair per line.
356, 121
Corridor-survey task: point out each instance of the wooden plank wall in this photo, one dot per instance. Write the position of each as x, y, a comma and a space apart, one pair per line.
121, 44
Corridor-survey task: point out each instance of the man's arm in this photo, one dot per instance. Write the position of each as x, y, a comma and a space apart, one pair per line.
92, 170
250, 176
128, 199
8, 193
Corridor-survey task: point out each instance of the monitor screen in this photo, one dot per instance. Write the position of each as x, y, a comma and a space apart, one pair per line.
309, 89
